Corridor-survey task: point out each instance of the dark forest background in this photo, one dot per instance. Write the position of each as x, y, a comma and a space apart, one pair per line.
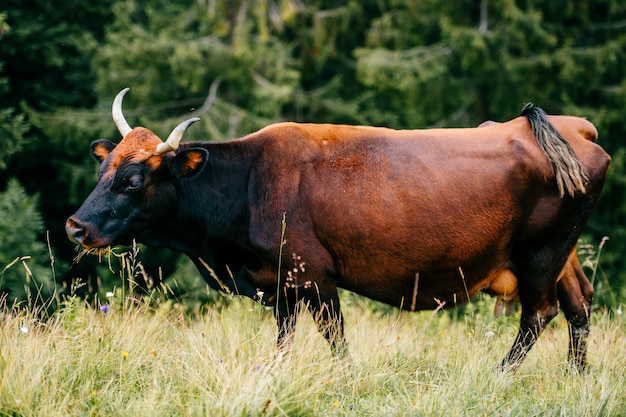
243, 64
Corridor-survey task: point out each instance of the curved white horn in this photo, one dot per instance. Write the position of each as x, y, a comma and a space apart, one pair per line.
118, 117
171, 144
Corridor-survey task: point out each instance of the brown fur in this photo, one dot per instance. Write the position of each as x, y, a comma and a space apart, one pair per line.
572, 280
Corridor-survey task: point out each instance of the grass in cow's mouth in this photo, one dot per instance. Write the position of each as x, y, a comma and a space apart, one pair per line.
107, 253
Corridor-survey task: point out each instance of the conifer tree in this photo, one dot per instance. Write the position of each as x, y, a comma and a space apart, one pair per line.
26, 266
241, 65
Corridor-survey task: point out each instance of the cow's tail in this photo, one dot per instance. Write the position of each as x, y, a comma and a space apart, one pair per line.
570, 173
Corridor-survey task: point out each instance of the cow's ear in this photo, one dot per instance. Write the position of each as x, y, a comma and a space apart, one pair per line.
100, 149
189, 162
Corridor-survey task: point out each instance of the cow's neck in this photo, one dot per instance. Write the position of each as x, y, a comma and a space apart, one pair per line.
212, 206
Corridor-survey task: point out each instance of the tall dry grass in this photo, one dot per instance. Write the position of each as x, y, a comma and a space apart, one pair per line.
140, 360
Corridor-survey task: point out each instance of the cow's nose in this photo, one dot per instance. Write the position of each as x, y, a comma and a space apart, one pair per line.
75, 230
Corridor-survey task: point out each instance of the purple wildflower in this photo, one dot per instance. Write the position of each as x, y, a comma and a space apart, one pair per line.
104, 308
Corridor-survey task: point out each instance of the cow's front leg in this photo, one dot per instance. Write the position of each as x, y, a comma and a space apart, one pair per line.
286, 313
322, 301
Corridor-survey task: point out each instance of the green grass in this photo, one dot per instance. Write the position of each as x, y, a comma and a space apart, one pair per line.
145, 361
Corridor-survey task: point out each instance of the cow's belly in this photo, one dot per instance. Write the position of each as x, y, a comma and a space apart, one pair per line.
429, 288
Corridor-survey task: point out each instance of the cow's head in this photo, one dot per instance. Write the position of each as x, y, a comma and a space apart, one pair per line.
135, 192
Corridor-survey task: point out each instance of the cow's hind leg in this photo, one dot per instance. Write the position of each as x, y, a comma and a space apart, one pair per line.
533, 321
575, 294
538, 296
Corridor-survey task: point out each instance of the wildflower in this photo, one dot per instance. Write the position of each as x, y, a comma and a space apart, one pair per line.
104, 308
257, 367
124, 354
489, 333
24, 329
336, 404
619, 310
153, 352
109, 294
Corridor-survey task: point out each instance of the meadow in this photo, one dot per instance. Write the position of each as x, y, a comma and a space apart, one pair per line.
136, 357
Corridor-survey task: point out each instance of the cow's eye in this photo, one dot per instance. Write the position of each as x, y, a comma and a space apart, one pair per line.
134, 184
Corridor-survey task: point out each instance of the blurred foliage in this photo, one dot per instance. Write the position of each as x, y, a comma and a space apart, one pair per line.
12, 129
12, 125
26, 266
242, 64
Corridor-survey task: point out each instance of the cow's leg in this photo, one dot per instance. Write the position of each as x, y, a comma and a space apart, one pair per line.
575, 295
539, 305
532, 323
322, 301
286, 312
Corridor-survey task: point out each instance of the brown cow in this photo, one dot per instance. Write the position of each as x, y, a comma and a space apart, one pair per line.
418, 219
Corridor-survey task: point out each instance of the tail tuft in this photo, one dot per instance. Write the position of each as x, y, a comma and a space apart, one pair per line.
569, 172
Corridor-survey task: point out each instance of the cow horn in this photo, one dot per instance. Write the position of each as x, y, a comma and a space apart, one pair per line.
171, 144
118, 116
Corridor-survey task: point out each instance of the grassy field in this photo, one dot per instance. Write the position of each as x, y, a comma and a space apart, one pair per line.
139, 360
